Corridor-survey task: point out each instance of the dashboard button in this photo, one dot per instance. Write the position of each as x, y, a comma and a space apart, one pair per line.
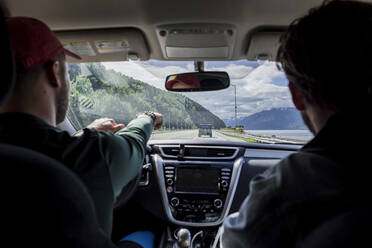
211, 217
170, 181
175, 201
224, 183
169, 189
218, 203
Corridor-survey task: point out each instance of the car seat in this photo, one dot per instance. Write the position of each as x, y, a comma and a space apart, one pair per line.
45, 204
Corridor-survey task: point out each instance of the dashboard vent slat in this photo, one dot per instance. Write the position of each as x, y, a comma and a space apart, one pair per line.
172, 151
201, 152
220, 152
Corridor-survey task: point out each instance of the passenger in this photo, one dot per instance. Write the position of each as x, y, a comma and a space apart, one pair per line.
326, 56
103, 160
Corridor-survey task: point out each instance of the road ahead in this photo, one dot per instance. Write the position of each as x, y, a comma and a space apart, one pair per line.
191, 134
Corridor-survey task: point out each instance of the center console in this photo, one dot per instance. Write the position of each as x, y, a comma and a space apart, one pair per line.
196, 193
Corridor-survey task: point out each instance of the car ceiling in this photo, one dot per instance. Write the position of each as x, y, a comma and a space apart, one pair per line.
147, 15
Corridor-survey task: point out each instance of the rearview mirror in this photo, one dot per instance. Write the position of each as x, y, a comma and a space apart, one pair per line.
197, 81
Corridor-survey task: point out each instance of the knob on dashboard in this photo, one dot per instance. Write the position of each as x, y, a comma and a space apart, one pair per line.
170, 181
224, 183
218, 203
175, 201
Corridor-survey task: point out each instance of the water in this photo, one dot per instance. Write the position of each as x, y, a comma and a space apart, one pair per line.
301, 135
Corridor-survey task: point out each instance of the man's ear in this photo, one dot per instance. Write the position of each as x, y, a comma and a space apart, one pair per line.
53, 69
297, 98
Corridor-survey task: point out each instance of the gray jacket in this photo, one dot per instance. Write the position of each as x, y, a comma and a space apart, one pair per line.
287, 202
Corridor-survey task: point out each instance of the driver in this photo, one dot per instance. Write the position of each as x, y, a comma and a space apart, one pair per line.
105, 155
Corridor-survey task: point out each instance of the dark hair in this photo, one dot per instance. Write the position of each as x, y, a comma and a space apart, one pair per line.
327, 54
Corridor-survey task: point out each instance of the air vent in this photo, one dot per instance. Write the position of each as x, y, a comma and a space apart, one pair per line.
209, 152
200, 152
171, 151
220, 152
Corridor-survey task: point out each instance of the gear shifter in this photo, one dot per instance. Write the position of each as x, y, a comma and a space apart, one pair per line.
183, 236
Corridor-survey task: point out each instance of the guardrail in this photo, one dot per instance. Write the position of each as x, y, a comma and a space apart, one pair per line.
264, 139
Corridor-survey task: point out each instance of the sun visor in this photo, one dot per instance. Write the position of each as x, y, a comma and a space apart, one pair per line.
263, 44
197, 41
105, 45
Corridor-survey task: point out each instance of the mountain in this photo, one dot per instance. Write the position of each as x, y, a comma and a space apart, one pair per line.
97, 92
273, 119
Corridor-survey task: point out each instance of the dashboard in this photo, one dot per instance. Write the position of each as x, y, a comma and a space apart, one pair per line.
196, 184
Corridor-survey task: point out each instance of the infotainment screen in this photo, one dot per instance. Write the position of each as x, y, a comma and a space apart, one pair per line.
197, 180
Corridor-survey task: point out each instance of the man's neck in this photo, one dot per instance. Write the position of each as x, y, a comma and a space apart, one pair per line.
36, 107
319, 117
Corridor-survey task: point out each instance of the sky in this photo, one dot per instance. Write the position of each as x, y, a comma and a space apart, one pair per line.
259, 85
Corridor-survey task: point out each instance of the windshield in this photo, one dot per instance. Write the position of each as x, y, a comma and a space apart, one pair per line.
257, 107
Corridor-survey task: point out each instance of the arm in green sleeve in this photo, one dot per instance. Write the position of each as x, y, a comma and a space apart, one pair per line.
140, 129
125, 151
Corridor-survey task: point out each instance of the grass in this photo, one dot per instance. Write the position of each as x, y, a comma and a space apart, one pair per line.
228, 130
239, 137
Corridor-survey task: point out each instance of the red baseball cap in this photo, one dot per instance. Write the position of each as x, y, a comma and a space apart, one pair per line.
187, 78
33, 42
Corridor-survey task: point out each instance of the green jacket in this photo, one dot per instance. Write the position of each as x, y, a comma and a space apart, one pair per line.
106, 162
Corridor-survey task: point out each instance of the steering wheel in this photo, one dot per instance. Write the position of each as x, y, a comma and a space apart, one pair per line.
128, 190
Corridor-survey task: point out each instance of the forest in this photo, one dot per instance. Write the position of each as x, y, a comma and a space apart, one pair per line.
97, 92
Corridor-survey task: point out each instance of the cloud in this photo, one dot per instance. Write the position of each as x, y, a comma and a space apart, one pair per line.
263, 88
258, 86
138, 71
234, 71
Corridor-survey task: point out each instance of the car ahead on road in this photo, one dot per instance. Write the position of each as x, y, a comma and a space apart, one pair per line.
128, 49
205, 130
